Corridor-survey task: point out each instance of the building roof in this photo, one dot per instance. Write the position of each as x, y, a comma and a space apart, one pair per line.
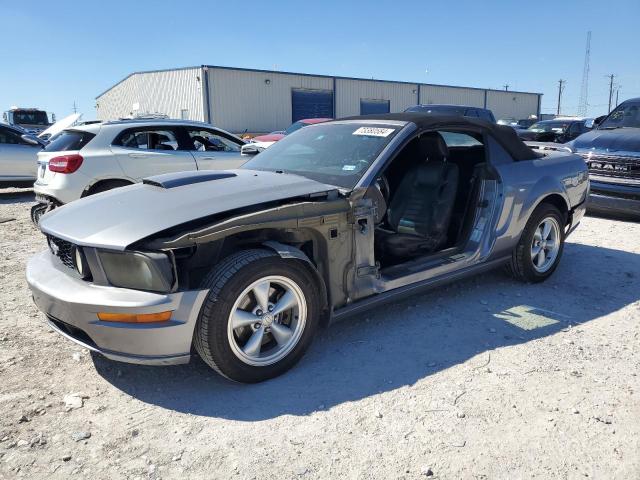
337, 77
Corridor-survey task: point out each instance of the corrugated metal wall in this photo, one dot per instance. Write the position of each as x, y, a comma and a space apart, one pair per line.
177, 93
451, 95
256, 101
511, 104
350, 92
261, 101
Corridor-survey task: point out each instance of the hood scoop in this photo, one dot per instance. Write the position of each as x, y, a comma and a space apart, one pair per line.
180, 179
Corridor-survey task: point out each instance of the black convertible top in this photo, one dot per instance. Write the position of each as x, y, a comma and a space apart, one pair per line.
504, 134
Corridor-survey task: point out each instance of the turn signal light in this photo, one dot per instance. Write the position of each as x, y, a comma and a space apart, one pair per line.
135, 318
65, 163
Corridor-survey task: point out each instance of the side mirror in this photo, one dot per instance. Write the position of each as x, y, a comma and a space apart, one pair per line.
598, 120
31, 140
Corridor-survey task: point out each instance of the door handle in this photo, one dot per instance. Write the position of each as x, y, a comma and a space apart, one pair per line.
207, 158
138, 155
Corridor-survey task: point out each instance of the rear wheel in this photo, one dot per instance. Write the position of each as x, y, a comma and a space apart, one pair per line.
540, 247
106, 185
260, 316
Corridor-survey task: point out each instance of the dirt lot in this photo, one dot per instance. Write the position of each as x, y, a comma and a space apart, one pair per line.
487, 378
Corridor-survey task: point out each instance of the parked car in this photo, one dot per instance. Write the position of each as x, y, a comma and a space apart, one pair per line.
461, 110
295, 126
521, 124
94, 158
245, 265
612, 152
525, 123
18, 154
557, 131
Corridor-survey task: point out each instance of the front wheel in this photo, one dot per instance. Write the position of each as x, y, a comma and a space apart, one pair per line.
259, 317
540, 247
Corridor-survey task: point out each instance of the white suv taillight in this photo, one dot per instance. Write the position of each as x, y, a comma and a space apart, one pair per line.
65, 163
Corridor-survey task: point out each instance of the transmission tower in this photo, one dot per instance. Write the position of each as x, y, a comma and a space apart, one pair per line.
583, 104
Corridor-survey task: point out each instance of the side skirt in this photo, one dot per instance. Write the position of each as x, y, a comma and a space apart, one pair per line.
412, 289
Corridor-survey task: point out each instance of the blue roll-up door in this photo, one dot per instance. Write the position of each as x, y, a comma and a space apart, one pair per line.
370, 106
311, 104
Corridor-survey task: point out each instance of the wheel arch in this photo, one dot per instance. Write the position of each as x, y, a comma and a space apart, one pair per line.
96, 183
549, 190
286, 251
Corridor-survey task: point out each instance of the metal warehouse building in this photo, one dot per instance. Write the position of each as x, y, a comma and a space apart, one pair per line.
240, 99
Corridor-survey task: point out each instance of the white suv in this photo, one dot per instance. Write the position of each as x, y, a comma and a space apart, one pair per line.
93, 158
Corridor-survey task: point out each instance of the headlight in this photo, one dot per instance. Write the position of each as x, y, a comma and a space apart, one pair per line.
140, 271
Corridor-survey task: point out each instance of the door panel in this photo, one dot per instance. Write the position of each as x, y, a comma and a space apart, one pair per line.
213, 150
143, 152
138, 163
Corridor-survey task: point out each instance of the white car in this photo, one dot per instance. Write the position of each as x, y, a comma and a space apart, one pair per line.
93, 158
254, 148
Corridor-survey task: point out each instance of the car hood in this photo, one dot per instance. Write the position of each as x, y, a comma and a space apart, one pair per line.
60, 125
609, 141
272, 137
118, 218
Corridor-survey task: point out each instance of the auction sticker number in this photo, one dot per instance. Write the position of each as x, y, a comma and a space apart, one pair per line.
374, 131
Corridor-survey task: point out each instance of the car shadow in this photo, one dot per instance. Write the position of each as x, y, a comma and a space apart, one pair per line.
401, 343
13, 196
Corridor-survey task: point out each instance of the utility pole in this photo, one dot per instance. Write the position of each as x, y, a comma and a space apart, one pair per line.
611, 77
561, 83
617, 93
506, 87
75, 109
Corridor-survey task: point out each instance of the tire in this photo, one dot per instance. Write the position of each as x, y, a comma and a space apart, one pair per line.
106, 185
225, 348
37, 211
524, 264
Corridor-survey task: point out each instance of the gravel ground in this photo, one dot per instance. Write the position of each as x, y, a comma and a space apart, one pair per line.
486, 378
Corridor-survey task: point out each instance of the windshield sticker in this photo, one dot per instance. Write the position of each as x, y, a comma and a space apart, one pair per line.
374, 131
349, 168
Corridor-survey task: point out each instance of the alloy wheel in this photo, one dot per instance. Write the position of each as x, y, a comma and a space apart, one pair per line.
545, 245
267, 320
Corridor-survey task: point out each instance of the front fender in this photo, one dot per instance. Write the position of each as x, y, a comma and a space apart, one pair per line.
291, 252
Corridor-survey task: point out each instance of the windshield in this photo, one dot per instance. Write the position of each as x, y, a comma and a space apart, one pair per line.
30, 118
293, 127
548, 127
626, 115
334, 153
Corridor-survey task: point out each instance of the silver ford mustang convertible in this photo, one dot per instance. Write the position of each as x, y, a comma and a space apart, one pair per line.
243, 266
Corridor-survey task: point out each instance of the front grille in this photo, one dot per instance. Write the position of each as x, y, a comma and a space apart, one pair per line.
616, 166
62, 249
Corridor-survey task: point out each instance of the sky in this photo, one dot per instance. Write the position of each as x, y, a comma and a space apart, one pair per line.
55, 54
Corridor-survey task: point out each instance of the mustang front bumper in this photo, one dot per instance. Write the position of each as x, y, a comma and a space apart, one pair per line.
71, 306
